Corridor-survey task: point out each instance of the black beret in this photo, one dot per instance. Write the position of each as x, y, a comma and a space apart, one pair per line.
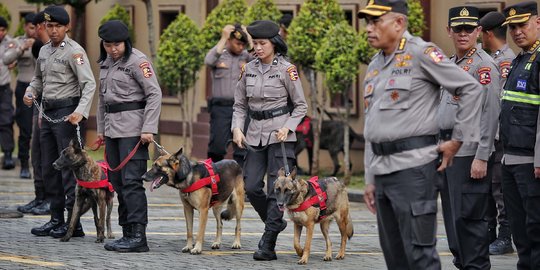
463, 15
521, 12
286, 20
239, 34
39, 18
3, 22
492, 20
29, 18
378, 8
113, 31
56, 14
263, 29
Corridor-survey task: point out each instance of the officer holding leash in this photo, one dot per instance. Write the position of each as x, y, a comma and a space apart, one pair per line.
264, 87
127, 118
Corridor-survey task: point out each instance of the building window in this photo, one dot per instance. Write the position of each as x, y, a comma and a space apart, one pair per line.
167, 14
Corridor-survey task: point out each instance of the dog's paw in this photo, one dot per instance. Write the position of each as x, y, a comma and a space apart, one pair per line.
327, 258
196, 251
110, 236
216, 245
186, 249
303, 261
65, 239
340, 256
299, 252
99, 240
236, 245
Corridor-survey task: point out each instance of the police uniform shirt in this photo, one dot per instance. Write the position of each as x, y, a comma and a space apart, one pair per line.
259, 90
482, 68
26, 64
225, 71
64, 72
503, 59
401, 95
128, 80
5, 44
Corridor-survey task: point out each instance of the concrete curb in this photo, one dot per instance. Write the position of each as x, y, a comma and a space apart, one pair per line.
356, 195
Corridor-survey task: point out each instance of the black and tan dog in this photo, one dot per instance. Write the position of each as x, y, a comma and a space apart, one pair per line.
87, 170
177, 171
292, 192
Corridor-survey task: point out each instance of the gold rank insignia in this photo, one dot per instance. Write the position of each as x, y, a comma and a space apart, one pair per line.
78, 59
466, 68
407, 57
146, 70
470, 61
47, 16
512, 12
237, 35
293, 73
464, 12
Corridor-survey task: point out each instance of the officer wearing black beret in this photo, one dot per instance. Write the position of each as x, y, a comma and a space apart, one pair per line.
128, 112
520, 134
56, 14
6, 95
494, 41
262, 93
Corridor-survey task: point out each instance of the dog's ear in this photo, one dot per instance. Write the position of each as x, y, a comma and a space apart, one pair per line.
179, 152
293, 173
281, 172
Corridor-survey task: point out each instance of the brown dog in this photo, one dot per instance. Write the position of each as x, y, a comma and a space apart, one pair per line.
87, 170
292, 192
178, 172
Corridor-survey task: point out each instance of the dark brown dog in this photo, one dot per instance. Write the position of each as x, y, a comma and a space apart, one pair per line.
178, 172
86, 169
292, 192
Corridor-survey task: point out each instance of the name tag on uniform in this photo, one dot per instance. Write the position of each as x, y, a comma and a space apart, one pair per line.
521, 85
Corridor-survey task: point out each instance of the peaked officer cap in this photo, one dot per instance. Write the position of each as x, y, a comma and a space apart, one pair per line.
521, 12
463, 15
492, 20
263, 29
113, 31
380, 7
56, 14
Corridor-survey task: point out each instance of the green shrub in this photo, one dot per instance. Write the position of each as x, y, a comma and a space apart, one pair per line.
227, 12
262, 10
117, 12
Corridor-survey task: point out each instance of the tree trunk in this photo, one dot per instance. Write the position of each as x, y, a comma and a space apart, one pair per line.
151, 33
182, 98
316, 123
78, 23
346, 142
192, 112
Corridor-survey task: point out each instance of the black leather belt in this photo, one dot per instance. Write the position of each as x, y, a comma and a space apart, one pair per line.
445, 134
127, 106
222, 102
388, 148
262, 115
51, 104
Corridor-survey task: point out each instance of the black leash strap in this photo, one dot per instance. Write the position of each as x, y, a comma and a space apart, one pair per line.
285, 164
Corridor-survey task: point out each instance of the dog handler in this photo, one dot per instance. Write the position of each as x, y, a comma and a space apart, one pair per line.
264, 87
402, 90
128, 112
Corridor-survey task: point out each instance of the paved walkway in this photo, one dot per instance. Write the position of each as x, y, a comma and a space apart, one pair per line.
166, 235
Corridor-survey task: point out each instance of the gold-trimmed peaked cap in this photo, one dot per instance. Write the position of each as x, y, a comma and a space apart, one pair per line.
463, 15
520, 13
378, 8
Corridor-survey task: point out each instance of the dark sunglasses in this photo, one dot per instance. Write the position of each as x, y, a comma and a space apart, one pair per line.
467, 28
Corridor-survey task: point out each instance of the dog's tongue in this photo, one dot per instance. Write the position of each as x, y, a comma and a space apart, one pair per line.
156, 183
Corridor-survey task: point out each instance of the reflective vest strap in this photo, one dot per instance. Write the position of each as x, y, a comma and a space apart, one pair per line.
521, 97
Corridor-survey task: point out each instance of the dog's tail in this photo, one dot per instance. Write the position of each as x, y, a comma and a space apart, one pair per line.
350, 229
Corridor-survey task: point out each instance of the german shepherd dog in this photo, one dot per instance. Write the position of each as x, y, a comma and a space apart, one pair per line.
86, 169
177, 171
292, 192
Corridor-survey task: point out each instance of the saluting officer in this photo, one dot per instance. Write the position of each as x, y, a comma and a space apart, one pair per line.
264, 88
520, 135
128, 112
494, 41
64, 80
20, 54
6, 105
466, 188
401, 95
225, 59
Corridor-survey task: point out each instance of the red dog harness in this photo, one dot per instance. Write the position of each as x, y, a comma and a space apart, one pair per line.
211, 181
319, 198
101, 183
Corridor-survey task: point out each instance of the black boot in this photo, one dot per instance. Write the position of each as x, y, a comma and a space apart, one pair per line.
267, 251
27, 208
43, 209
282, 228
8, 163
62, 230
503, 244
137, 241
25, 171
126, 234
45, 229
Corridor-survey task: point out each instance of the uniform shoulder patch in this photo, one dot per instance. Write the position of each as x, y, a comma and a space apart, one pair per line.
293, 73
146, 69
504, 68
434, 53
78, 57
484, 74
242, 71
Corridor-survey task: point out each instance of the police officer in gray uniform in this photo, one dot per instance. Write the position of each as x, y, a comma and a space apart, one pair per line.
225, 59
20, 54
265, 86
6, 104
64, 80
519, 122
401, 95
494, 41
466, 187
128, 113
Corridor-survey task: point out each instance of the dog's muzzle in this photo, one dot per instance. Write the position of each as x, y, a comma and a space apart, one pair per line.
157, 179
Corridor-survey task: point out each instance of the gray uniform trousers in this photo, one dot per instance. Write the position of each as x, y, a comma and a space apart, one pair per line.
256, 165
522, 200
465, 204
496, 201
406, 203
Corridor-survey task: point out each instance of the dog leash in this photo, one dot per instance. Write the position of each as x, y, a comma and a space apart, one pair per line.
285, 163
160, 148
251, 148
125, 161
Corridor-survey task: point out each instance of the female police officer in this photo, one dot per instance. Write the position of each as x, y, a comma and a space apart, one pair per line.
264, 88
128, 112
